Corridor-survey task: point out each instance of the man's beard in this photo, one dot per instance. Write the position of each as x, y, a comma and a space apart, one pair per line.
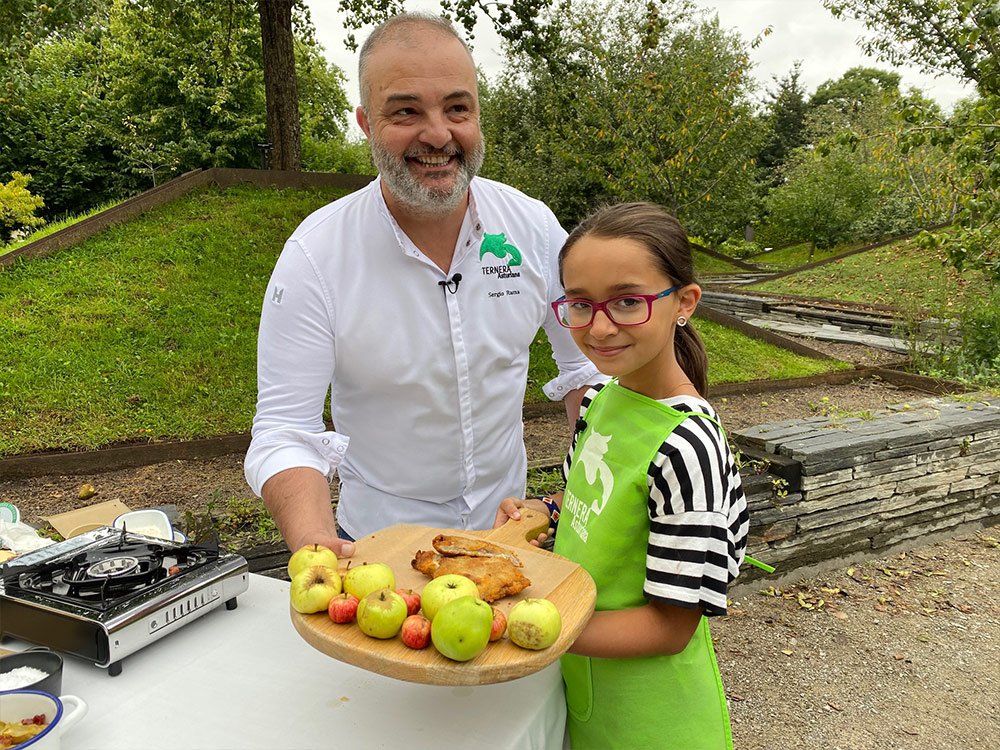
420, 198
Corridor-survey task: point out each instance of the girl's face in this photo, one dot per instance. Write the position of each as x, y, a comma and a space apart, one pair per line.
641, 357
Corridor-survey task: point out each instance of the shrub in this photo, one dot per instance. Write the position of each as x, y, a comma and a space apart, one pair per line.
18, 206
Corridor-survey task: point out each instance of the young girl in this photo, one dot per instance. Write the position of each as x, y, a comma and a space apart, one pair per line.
653, 507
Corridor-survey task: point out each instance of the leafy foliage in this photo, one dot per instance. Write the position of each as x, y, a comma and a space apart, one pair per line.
18, 205
962, 38
123, 95
640, 101
785, 114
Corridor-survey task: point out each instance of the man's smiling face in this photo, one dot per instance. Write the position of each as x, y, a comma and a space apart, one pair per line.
422, 120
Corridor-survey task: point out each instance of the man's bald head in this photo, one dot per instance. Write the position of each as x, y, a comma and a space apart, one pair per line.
407, 29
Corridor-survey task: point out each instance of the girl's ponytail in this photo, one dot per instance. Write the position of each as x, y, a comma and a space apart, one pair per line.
692, 357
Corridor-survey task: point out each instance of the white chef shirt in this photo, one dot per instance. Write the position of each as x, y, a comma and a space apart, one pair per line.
426, 386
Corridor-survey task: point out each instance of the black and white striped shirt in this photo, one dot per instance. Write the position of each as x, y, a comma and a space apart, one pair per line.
697, 512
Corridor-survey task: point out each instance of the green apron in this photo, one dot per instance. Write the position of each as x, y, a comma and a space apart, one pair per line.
669, 701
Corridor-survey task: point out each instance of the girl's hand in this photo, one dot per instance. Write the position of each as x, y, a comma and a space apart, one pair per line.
508, 511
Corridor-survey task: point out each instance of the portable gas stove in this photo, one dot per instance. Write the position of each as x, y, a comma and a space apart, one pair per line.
107, 593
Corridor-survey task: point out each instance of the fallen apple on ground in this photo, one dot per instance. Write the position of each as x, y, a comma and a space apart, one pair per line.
499, 625
412, 599
311, 554
534, 623
381, 613
416, 631
364, 579
443, 589
461, 628
312, 589
343, 608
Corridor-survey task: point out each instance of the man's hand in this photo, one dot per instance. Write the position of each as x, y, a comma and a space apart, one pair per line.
299, 501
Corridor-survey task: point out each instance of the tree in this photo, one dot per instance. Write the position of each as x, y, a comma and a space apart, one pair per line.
519, 22
958, 37
962, 38
280, 83
138, 92
854, 88
821, 199
786, 116
641, 101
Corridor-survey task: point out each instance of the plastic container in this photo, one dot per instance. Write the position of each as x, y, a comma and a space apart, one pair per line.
61, 713
9, 513
148, 521
40, 658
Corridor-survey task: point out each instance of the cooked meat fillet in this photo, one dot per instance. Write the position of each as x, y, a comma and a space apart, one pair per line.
495, 577
451, 546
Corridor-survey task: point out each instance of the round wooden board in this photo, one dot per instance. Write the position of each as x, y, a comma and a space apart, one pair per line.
552, 577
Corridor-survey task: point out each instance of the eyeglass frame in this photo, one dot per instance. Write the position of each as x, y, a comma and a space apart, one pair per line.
596, 307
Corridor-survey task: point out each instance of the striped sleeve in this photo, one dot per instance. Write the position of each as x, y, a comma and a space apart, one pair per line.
587, 398
698, 516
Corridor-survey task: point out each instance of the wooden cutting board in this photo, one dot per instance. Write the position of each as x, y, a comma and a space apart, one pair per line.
552, 577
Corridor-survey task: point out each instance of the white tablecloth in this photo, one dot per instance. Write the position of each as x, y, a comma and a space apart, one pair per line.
244, 679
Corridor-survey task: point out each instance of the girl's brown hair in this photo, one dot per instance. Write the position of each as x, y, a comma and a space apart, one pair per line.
667, 241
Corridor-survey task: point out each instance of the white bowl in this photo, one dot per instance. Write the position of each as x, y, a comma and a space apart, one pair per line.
148, 522
61, 713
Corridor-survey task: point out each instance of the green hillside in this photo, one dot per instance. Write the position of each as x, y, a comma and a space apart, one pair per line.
147, 331
898, 275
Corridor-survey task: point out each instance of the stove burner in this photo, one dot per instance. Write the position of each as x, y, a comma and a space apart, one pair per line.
114, 566
106, 576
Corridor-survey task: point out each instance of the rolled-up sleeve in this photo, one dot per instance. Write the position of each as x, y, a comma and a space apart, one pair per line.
295, 366
575, 369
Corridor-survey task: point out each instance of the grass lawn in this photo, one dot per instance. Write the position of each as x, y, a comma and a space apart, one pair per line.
147, 331
732, 358
798, 255
706, 265
899, 275
53, 227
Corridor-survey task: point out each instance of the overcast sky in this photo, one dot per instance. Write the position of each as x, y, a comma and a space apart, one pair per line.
801, 30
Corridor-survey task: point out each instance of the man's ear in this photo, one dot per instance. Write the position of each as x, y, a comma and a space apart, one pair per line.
363, 123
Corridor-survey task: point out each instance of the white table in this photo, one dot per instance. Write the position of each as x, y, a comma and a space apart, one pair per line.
244, 679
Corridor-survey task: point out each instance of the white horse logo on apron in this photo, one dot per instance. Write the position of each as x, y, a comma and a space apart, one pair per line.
594, 468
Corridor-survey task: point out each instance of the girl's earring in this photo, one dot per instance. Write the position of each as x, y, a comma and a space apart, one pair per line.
682, 321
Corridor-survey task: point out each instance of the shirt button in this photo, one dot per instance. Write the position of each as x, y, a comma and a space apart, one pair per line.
479, 227
468, 242
326, 441
340, 449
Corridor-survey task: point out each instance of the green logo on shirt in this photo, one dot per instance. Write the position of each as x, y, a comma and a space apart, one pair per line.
496, 244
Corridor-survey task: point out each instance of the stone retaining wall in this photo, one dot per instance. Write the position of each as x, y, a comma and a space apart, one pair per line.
854, 325
866, 485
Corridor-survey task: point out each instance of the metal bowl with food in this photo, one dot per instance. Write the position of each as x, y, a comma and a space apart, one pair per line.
34, 669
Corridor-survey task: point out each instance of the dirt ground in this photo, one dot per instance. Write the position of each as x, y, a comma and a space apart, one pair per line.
892, 653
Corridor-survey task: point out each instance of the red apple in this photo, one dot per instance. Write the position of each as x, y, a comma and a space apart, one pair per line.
343, 608
412, 599
416, 631
499, 625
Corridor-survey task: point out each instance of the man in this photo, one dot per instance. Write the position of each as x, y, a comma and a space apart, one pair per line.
413, 302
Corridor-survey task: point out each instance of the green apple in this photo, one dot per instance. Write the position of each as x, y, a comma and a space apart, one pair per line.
311, 554
312, 589
381, 613
442, 590
461, 628
534, 623
364, 579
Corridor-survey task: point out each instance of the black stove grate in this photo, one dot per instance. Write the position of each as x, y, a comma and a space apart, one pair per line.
104, 577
